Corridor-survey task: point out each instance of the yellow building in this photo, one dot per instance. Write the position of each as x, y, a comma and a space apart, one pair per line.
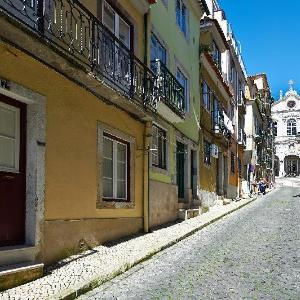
217, 129
78, 102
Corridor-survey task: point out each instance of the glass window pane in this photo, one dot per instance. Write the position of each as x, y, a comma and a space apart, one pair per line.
107, 188
124, 32
121, 152
121, 189
121, 171
7, 153
107, 168
107, 148
7, 122
109, 17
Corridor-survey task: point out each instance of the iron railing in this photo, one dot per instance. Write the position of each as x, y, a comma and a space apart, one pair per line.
169, 88
218, 124
73, 29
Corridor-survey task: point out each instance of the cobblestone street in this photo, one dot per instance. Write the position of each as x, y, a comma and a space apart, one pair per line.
254, 253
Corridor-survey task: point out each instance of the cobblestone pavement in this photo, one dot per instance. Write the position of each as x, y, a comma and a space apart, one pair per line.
253, 253
79, 273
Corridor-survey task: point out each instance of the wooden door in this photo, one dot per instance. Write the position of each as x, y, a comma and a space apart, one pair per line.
12, 171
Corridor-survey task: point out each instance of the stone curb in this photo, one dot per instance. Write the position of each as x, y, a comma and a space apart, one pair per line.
75, 292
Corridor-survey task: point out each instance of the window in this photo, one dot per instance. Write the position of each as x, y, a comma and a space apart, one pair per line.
115, 168
240, 167
116, 24
181, 16
206, 95
184, 82
291, 104
207, 152
291, 127
159, 147
9, 138
216, 54
157, 50
232, 73
275, 128
232, 165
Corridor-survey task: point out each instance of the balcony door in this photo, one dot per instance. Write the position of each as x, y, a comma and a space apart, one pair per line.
12, 172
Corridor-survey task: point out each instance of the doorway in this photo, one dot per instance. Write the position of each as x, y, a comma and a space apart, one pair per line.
180, 154
12, 171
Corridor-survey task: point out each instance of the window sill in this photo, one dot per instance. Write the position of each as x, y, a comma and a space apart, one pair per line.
159, 170
115, 204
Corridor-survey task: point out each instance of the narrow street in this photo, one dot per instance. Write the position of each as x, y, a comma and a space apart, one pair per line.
253, 253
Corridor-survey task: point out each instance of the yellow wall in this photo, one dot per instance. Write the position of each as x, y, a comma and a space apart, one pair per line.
71, 139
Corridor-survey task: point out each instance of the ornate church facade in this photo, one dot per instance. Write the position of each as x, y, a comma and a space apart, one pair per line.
286, 117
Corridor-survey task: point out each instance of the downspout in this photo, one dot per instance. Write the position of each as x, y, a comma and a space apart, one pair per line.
147, 137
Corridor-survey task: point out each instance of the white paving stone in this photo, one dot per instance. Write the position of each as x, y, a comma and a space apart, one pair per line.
103, 263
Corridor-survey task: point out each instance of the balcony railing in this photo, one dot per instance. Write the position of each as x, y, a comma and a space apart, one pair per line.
242, 138
218, 124
169, 88
74, 30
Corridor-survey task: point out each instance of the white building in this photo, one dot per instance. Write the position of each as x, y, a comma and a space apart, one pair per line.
286, 115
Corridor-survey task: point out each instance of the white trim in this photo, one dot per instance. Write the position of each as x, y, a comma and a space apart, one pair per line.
115, 169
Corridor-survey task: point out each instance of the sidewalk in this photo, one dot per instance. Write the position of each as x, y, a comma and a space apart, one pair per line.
80, 273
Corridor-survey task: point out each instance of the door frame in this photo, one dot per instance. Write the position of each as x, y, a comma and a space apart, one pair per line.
35, 158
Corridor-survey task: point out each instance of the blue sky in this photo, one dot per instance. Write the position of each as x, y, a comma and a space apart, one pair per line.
269, 31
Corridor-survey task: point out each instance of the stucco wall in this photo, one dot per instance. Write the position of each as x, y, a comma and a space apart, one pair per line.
163, 203
71, 153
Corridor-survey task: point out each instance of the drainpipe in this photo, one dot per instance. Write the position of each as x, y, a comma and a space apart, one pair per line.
147, 138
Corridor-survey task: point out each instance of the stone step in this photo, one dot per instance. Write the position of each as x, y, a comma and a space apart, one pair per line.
14, 275
17, 254
185, 214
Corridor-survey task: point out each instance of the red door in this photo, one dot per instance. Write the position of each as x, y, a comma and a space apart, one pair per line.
12, 171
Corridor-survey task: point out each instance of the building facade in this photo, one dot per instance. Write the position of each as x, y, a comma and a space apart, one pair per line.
286, 117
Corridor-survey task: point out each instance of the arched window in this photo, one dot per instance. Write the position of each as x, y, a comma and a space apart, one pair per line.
291, 127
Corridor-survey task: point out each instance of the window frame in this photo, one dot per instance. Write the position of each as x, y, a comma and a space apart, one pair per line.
206, 96
118, 16
291, 127
216, 52
163, 158
117, 140
184, 27
153, 35
206, 151
186, 88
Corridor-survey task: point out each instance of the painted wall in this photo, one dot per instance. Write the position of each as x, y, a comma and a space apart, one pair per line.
182, 51
71, 158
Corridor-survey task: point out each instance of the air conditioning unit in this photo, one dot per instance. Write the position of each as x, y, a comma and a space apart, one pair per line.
214, 151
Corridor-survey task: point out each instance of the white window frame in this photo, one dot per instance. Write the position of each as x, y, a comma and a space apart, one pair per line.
16, 110
290, 126
165, 167
115, 169
116, 31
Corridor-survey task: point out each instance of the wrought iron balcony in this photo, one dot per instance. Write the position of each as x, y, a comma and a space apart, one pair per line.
73, 30
169, 88
218, 124
242, 138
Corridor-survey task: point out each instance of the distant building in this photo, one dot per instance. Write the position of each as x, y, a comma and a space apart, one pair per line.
286, 116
